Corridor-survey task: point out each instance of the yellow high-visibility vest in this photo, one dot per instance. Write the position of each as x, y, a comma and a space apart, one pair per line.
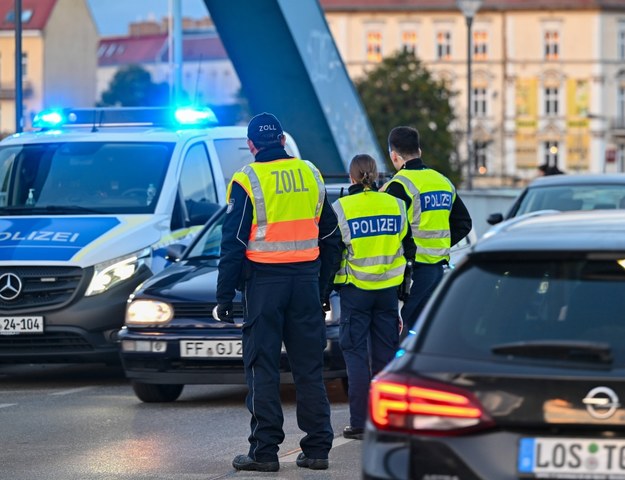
432, 196
287, 196
372, 227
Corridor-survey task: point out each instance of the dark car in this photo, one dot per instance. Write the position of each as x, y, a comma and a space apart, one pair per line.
170, 337
568, 192
516, 368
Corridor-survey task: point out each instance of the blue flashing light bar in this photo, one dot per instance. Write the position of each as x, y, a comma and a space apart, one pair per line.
49, 119
189, 117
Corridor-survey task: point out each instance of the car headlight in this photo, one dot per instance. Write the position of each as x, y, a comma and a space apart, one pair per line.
148, 312
108, 274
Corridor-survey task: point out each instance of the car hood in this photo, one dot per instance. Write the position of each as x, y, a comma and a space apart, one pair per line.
78, 240
185, 281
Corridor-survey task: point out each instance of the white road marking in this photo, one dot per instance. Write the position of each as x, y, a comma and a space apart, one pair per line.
71, 390
4, 405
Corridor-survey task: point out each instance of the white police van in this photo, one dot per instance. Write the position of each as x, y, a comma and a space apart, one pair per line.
89, 203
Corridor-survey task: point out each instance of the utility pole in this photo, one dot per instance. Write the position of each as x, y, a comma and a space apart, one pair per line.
177, 31
18, 67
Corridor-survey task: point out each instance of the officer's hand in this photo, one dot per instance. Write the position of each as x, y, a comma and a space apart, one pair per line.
325, 304
223, 312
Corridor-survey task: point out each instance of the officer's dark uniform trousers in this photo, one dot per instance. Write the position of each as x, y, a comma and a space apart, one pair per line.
282, 302
359, 308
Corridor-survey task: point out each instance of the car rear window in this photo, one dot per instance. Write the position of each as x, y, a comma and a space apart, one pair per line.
491, 303
573, 197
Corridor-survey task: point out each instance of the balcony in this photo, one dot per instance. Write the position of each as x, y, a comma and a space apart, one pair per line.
7, 90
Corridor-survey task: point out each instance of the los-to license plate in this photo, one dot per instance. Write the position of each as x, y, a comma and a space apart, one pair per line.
17, 325
211, 348
572, 458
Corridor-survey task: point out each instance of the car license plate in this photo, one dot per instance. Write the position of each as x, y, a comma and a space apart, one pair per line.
211, 348
572, 458
18, 325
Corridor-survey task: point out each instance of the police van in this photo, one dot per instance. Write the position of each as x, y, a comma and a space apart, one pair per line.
89, 202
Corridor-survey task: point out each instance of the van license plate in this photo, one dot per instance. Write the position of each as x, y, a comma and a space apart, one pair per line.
211, 348
573, 458
18, 325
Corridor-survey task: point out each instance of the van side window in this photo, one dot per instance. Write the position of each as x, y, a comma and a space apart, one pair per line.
197, 185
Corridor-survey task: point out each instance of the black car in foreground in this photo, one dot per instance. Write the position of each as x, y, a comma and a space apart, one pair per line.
171, 339
516, 368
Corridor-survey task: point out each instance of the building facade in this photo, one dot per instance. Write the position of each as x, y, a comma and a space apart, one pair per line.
59, 41
547, 77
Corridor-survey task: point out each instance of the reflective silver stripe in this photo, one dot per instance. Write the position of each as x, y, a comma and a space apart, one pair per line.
402, 210
415, 221
259, 203
378, 260
342, 220
320, 186
439, 252
260, 246
373, 277
432, 234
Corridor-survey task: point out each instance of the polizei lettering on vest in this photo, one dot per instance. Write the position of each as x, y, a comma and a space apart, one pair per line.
436, 201
289, 181
39, 236
371, 226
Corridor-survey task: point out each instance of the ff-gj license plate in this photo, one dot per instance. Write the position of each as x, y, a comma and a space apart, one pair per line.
211, 348
18, 325
572, 458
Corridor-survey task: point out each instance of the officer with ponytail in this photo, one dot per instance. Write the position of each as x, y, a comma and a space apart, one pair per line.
376, 243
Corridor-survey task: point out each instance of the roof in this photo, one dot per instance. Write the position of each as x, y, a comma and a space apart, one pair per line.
448, 5
578, 179
154, 48
35, 14
549, 231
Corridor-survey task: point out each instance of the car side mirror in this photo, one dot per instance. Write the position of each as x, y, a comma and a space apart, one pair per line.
174, 252
494, 218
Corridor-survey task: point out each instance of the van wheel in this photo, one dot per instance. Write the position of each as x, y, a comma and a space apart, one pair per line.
154, 393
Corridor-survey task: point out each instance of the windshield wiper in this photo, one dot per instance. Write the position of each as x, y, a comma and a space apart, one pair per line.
55, 209
558, 349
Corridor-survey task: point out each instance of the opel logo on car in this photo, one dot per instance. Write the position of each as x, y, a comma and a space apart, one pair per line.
10, 286
601, 402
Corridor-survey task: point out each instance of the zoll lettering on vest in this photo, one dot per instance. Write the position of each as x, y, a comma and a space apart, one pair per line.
436, 201
370, 226
287, 181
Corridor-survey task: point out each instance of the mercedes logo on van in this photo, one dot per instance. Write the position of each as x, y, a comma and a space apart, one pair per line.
601, 402
10, 286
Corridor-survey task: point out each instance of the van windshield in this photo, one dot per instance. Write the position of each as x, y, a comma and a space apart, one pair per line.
79, 177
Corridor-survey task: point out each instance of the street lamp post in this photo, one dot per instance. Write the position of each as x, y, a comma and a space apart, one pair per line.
469, 8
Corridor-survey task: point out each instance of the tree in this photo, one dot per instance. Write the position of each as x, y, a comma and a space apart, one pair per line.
401, 91
132, 86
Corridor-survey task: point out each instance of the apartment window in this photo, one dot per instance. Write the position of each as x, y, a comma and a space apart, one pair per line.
621, 41
552, 44
480, 44
479, 103
443, 45
374, 46
551, 100
620, 105
480, 157
551, 153
409, 41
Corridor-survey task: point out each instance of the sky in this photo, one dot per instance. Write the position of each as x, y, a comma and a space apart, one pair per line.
113, 16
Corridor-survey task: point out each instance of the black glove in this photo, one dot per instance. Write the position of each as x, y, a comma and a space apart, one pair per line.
404, 288
223, 312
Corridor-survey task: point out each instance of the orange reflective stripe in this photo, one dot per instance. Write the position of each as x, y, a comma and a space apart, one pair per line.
291, 256
291, 230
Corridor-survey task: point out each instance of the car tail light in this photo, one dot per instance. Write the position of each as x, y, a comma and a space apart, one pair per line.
399, 403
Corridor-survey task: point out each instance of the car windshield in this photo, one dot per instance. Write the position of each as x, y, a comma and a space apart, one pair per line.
490, 305
573, 197
208, 243
78, 177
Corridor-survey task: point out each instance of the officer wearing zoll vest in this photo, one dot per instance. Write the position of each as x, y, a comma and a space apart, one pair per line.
438, 217
280, 226
377, 242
